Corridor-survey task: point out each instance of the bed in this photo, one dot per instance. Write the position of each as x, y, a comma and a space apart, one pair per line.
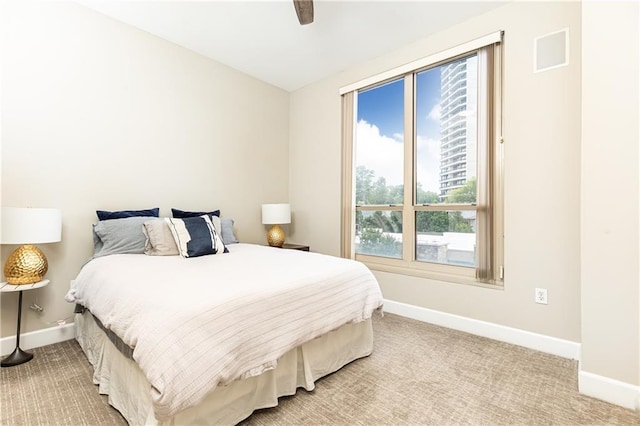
210, 339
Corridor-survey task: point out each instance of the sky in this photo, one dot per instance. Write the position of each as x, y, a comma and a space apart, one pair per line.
379, 132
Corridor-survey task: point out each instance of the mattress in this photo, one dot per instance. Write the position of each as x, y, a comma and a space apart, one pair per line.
129, 391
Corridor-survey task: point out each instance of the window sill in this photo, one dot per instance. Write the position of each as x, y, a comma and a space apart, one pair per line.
429, 274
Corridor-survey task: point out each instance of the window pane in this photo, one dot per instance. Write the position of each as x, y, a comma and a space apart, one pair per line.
446, 123
446, 237
379, 233
379, 152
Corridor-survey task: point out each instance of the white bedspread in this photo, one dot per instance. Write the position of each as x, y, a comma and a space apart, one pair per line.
203, 322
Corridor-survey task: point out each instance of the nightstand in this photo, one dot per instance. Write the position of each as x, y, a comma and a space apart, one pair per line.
295, 247
18, 356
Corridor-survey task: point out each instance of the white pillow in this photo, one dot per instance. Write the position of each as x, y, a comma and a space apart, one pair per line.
159, 239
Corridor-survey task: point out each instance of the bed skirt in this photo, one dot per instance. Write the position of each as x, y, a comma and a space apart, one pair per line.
129, 391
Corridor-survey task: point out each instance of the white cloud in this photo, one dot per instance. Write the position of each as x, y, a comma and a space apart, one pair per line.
385, 155
428, 164
380, 153
435, 113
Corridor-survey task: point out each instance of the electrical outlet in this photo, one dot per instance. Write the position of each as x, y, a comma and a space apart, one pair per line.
541, 296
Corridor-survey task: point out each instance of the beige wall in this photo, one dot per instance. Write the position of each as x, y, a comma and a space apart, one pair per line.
610, 190
542, 174
99, 115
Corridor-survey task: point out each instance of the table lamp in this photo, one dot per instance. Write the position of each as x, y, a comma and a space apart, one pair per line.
28, 226
276, 214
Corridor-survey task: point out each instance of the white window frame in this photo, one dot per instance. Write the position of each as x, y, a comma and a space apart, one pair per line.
490, 269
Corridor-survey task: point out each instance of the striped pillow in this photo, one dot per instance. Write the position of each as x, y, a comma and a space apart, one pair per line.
195, 236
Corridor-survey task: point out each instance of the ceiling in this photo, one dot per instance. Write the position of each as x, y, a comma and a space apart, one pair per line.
264, 39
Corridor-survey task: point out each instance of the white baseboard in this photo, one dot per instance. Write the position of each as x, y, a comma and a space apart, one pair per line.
609, 390
539, 342
35, 339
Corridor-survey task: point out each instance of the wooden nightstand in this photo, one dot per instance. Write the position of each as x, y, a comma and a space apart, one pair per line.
296, 247
18, 356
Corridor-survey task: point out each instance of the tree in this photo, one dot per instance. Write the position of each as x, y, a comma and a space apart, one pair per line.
373, 241
371, 190
433, 222
464, 194
442, 221
457, 223
379, 220
426, 197
364, 177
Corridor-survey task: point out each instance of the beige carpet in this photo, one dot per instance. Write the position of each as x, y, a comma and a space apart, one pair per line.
418, 374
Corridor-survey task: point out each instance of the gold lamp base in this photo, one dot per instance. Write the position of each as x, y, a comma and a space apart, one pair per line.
275, 236
26, 265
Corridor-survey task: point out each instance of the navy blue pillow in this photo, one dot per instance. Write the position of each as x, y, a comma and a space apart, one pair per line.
106, 215
181, 214
196, 236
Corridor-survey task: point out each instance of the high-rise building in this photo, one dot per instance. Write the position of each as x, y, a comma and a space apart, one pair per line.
458, 82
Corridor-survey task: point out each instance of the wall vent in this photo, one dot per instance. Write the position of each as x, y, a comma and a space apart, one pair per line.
551, 51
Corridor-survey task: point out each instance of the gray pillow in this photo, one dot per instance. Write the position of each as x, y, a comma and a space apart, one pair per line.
227, 232
215, 220
159, 239
117, 236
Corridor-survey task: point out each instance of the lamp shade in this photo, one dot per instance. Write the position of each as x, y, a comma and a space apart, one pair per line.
276, 214
30, 225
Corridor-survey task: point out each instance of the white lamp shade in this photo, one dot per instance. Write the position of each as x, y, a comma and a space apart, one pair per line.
273, 214
30, 226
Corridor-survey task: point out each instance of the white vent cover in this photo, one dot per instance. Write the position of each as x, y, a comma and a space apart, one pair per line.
551, 51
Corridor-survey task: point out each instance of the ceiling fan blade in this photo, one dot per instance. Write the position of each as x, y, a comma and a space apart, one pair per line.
304, 10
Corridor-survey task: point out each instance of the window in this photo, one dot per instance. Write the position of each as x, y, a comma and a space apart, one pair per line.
422, 170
